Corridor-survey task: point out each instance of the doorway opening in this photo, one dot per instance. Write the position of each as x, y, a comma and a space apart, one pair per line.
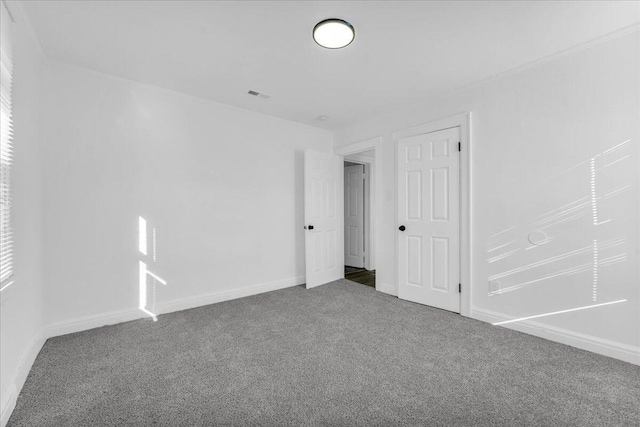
359, 262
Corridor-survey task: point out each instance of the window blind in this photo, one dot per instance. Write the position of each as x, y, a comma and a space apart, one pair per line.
6, 149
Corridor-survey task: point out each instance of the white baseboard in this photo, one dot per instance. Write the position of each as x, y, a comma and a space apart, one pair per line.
9, 400
10, 396
84, 323
215, 297
387, 289
111, 318
627, 353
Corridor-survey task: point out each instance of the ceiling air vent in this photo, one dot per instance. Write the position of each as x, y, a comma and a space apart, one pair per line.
259, 95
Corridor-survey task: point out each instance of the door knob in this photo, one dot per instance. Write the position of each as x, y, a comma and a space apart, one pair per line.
308, 227
402, 228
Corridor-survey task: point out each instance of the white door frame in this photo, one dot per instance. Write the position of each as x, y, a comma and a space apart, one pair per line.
358, 161
374, 144
463, 121
369, 260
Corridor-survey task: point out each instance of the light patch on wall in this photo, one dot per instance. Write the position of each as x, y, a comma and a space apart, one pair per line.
153, 242
7, 285
501, 246
558, 312
562, 273
142, 290
142, 235
558, 228
144, 272
503, 256
156, 277
594, 286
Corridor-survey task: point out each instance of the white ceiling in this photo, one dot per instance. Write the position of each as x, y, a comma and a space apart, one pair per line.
403, 53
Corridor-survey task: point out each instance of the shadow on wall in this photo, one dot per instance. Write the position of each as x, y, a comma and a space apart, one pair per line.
583, 235
147, 279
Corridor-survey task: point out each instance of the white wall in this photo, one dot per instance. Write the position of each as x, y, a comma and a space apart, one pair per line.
21, 304
222, 186
529, 129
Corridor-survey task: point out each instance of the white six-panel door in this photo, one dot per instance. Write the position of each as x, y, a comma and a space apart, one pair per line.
354, 216
324, 217
429, 211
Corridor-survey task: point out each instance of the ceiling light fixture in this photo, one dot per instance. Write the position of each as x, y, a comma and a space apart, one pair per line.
333, 33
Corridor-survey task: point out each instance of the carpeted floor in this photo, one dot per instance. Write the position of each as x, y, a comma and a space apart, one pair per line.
337, 355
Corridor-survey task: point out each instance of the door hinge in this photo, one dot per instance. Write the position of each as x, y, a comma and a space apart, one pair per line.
459, 147
459, 288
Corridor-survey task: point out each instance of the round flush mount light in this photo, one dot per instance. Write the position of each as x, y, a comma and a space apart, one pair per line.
333, 33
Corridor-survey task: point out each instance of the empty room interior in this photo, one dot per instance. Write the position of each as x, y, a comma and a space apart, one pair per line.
320, 213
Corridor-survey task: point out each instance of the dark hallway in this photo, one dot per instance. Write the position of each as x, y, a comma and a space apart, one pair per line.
360, 275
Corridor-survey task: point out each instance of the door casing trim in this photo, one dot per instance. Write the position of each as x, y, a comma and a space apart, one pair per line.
375, 196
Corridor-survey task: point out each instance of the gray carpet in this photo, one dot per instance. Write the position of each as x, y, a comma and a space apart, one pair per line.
338, 355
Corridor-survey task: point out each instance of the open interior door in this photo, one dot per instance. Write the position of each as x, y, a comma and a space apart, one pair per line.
324, 217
